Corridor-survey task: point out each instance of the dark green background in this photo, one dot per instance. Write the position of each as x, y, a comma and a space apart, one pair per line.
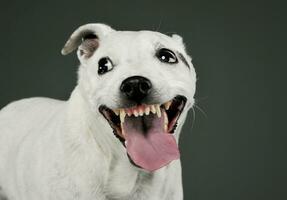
239, 150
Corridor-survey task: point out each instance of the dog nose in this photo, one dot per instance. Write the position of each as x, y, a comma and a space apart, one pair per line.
136, 88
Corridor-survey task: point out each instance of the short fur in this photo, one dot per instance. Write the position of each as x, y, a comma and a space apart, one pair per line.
65, 150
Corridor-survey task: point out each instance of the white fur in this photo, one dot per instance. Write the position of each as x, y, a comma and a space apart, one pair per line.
65, 150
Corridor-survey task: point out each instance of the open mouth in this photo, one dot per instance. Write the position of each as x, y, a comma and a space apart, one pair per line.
147, 131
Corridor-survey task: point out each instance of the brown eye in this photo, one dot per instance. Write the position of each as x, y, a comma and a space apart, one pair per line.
105, 65
166, 55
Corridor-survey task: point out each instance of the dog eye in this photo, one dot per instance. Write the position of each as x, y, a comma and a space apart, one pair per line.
105, 65
166, 55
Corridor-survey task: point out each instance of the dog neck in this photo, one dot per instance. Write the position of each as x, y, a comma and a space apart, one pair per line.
89, 126
91, 135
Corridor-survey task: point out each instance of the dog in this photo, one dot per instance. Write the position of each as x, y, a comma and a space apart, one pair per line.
116, 138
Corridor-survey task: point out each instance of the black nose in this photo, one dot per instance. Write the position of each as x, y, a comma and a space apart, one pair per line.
136, 88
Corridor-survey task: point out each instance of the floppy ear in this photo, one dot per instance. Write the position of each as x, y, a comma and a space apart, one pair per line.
86, 38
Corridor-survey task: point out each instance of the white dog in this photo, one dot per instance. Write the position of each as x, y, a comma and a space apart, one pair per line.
116, 137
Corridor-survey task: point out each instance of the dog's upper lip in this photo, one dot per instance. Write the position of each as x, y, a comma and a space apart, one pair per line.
116, 117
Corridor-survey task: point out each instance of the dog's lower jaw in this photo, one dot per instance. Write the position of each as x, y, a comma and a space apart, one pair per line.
107, 160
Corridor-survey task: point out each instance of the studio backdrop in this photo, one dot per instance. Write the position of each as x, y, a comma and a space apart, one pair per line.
233, 144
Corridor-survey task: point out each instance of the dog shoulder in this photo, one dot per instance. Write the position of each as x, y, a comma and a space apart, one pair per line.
18, 115
21, 124
28, 105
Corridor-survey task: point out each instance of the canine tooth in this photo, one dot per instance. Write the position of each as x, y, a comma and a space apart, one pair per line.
167, 105
147, 110
122, 115
158, 111
135, 112
165, 118
117, 112
123, 130
152, 108
124, 134
165, 127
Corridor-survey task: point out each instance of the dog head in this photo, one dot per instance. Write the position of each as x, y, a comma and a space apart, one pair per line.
143, 84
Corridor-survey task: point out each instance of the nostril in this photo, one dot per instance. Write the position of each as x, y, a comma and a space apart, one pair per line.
144, 87
126, 88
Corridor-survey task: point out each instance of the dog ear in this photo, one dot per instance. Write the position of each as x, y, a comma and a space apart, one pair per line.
86, 38
177, 38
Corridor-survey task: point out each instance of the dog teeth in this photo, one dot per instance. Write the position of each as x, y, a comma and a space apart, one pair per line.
123, 130
141, 112
165, 118
117, 112
129, 112
122, 115
167, 105
152, 109
135, 112
158, 111
147, 110
165, 121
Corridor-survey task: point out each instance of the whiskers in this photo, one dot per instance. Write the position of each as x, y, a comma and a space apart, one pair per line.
200, 110
196, 106
193, 118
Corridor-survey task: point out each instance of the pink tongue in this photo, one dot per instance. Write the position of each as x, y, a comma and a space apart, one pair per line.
150, 149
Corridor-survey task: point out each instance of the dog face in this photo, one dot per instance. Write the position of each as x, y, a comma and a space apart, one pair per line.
141, 82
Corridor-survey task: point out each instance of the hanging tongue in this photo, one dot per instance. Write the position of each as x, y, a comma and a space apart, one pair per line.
148, 145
